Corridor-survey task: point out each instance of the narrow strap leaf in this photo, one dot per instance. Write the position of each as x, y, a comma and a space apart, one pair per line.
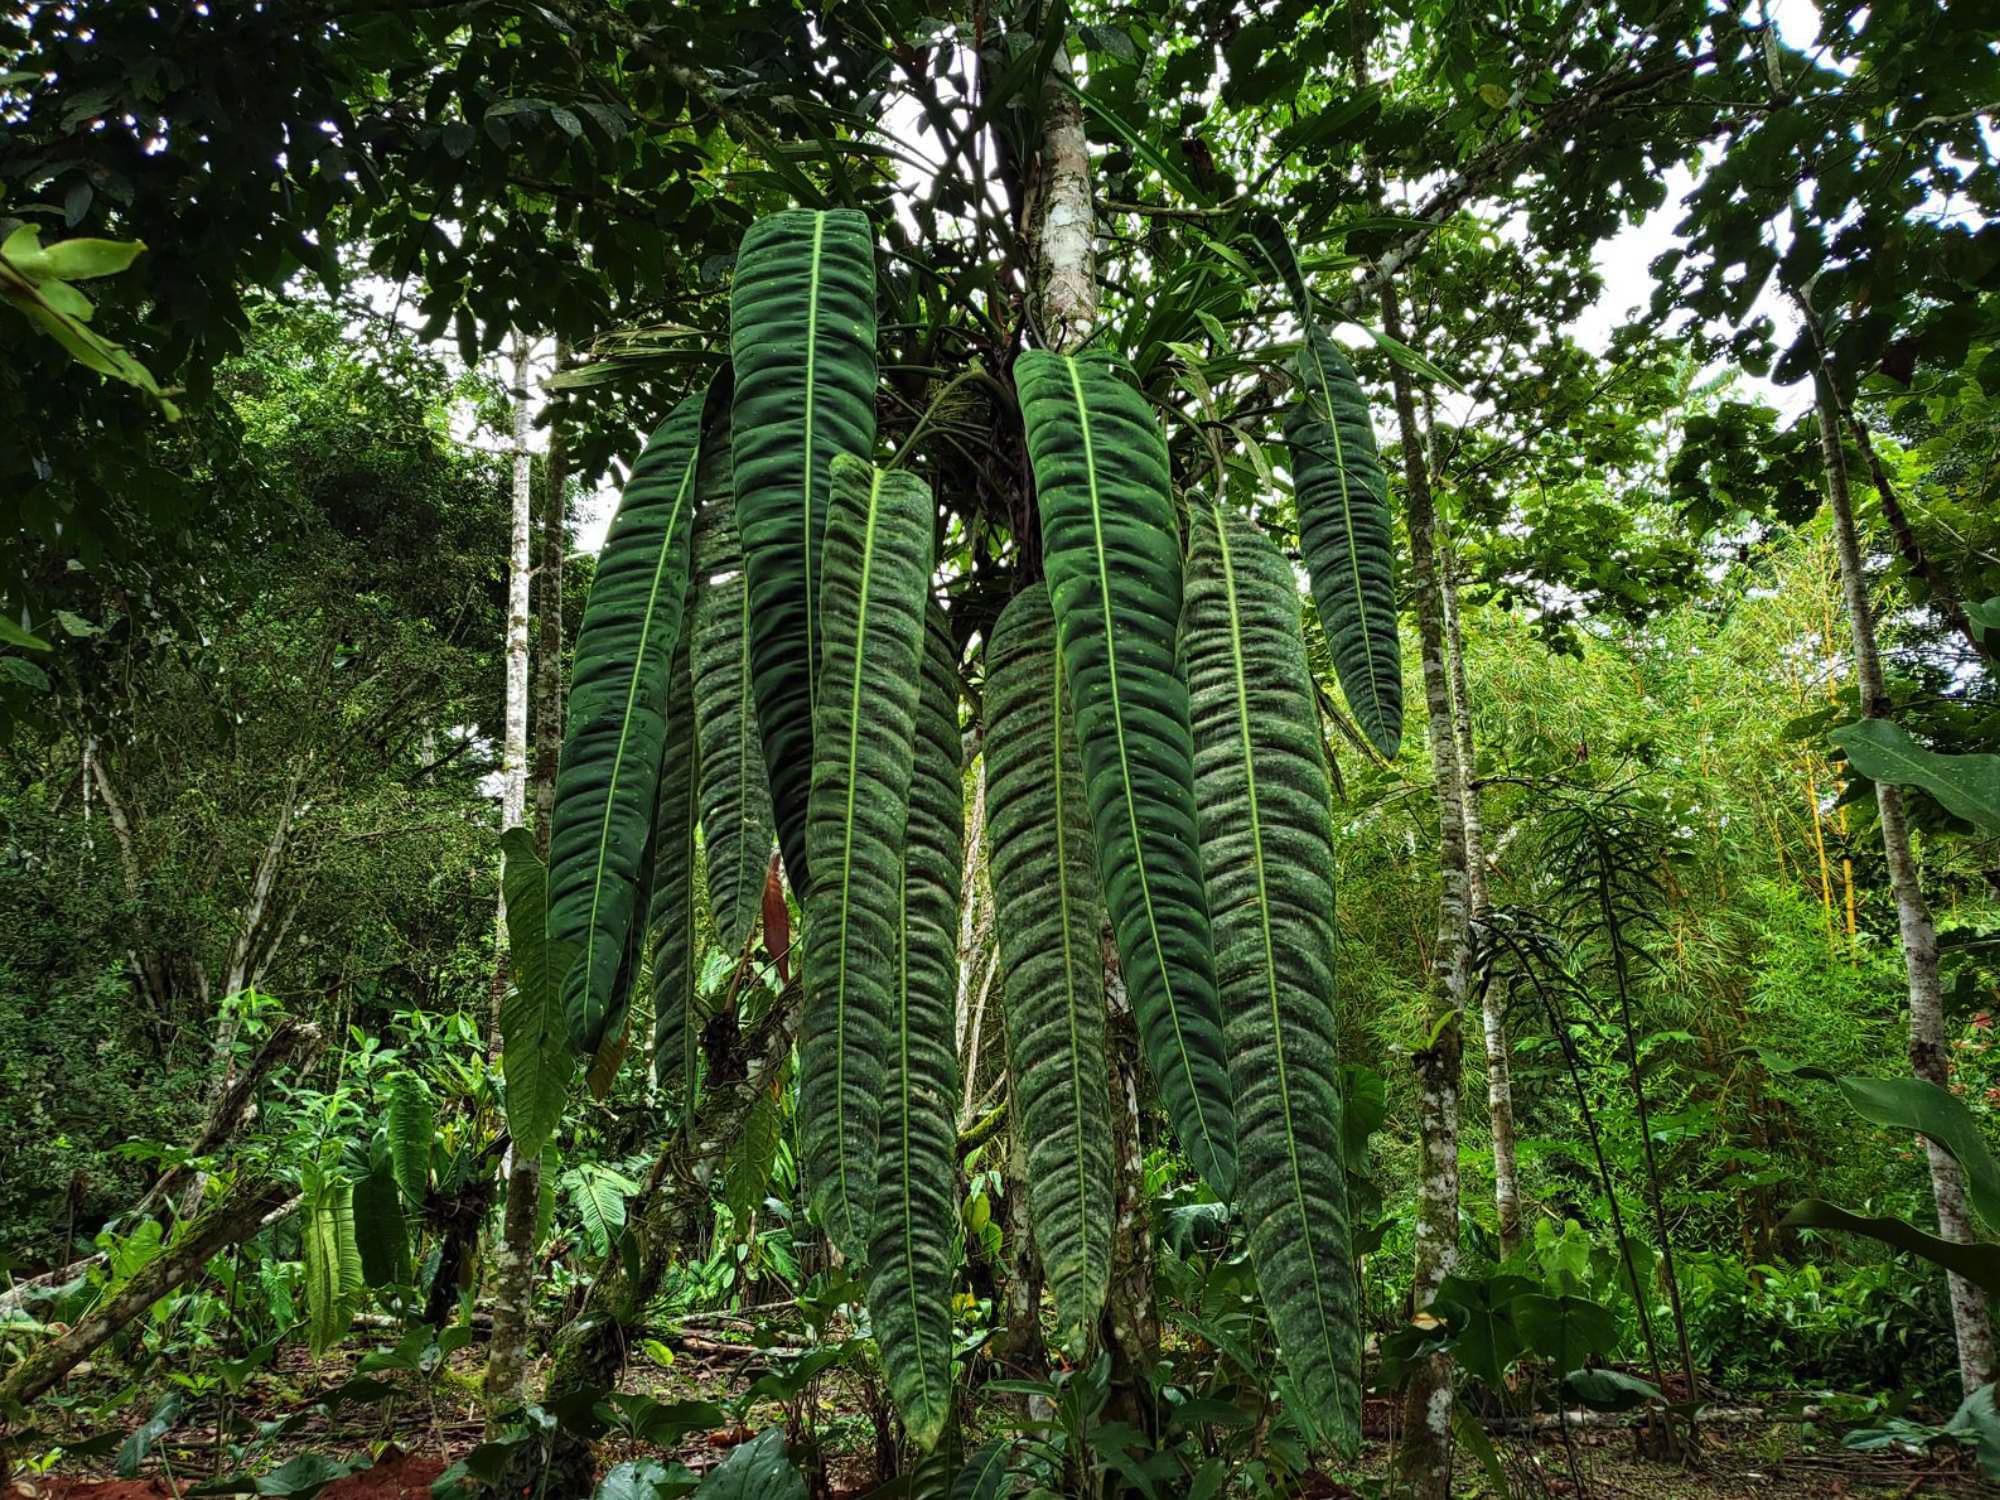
736, 826
916, 1200
1112, 554
1049, 913
802, 343
878, 573
617, 727
1267, 852
1342, 498
672, 918
1343, 505
535, 1060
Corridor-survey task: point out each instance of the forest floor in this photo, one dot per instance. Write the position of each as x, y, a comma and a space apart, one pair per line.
412, 1440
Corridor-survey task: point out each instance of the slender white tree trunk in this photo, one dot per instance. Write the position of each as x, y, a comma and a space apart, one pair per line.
514, 1255
1928, 1056
549, 612
1493, 1011
1423, 1462
520, 565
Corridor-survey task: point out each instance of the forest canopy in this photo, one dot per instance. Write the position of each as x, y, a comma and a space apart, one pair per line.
1031, 749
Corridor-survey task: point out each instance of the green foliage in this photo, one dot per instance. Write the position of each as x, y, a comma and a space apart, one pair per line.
410, 1127
36, 279
672, 924
1967, 786
1343, 513
1114, 567
1267, 855
736, 821
381, 1232
757, 1470
910, 1248
334, 1279
878, 567
608, 786
802, 349
1048, 909
536, 1056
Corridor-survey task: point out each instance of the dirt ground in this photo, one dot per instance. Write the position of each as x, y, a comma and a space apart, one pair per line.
1725, 1474
414, 1439
399, 1476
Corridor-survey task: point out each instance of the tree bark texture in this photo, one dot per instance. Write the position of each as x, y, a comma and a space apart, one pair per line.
1424, 1457
1928, 1057
1493, 1009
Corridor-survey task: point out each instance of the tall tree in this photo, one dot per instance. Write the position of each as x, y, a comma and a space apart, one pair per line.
1929, 1060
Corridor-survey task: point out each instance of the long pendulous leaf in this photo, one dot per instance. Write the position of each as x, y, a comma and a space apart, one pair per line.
916, 1200
736, 826
1342, 498
1343, 505
1112, 554
1049, 912
617, 728
1267, 852
802, 342
878, 571
672, 918
535, 1059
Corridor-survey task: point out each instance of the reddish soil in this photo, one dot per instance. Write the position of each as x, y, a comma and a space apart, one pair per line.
399, 1476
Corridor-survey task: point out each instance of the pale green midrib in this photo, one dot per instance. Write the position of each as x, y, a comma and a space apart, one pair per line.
1069, 963
806, 541
909, 1206
625, 721
745, 711
1264, 927
847, 848
1124, 761
685, 991
1347, 516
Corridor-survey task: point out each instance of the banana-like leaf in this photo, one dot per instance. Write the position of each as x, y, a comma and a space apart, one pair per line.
412, 1121
1342, 496
1977, 1263
736, 826
1262, 787
610, 769
334, 1279
802, 342
1966, 786
878, 574
916, 1199
671, 923
535, 1057
1048, 912
1112, 554
1267, 853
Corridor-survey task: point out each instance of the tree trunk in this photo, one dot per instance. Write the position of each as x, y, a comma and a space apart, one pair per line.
513, 1292
1423, 1461
514, 732
1493, 1009
514, 1258
1928, 1057
1061, 220
1131, 1322
549, 610
669, 1214
254, 1206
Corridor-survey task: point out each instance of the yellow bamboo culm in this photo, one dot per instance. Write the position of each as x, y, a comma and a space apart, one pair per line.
1819, 848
